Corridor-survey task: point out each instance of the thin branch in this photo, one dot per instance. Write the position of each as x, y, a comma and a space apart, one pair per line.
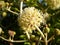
12, 40
50, 38
46, 43
40, 32
8, 9
40, 40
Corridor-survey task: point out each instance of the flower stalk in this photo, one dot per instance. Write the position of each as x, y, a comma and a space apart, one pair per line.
28, 36
40, 32
13, 40
46, 42
21, 6
8, 9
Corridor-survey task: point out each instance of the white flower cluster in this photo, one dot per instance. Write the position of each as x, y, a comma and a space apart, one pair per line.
29, 18
53, 4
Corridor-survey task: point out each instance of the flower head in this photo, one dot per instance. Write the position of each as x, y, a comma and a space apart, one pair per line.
29, 18
53, 4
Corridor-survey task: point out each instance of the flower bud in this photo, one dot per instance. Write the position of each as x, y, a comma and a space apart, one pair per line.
7, 3
22, 36
33, 43
36, 38
11, 33
46, 29
32, 36
4, 14
11, 4
57, 32
27, 43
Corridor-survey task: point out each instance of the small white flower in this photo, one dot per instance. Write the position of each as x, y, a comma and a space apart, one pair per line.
53, 4
29, 18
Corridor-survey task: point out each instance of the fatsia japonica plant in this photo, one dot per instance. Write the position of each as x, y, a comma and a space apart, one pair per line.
29, 22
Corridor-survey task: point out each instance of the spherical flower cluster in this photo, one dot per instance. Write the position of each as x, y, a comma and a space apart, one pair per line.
29, 18
53, 4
